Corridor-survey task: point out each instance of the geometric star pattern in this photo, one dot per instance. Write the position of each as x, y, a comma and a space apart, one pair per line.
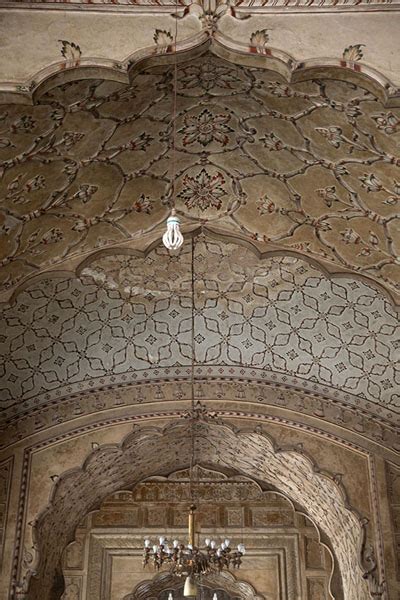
129, 312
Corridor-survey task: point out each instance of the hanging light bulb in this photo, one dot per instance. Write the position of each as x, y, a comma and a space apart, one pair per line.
172, 238
190, 588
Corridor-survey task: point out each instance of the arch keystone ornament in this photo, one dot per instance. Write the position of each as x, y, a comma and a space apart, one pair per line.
151, 451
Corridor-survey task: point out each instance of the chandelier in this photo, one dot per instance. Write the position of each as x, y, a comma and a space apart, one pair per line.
190, 561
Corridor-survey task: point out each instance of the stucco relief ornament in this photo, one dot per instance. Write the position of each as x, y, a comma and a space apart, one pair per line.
258, 42
352, 55
209, 12
163, 40
71, 53
377, 588
203, 191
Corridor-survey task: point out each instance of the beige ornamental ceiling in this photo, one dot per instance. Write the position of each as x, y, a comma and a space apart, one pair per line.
286, 178
309, 168
278, 325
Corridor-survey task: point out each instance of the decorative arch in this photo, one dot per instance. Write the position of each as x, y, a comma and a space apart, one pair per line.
280, 61
253, 288
327, 269
75, 268
149, 589
148, 452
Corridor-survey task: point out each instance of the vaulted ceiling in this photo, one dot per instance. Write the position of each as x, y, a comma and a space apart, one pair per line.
286, 178
285, 188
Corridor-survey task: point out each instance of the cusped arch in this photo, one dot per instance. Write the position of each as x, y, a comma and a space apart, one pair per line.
221, 234
225, 236
148, 589
301, 232
280, 61
149, 451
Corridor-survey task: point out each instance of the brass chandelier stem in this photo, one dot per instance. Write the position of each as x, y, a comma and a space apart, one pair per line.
191, 525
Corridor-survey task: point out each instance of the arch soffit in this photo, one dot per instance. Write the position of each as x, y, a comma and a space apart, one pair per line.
225, 579
317, 389
279, 62
155, 451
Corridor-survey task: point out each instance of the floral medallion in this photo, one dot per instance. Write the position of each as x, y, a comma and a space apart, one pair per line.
205, 128
203, 191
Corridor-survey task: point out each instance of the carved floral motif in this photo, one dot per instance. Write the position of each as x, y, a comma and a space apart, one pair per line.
94, 162
203, 191
206, 128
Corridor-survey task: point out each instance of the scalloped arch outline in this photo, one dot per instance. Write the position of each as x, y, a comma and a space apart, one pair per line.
224, 580
190, 231
150, 451
60, 72
250, 593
